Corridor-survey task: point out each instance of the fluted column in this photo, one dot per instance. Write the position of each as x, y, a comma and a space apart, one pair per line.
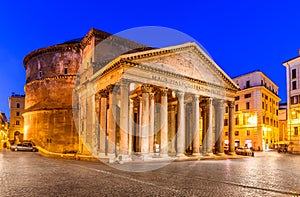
219, 118
180, 125
230, 127
140, 108
204, 126
97, 121
130, 127
124, 116
195, 125
103, 121
164, 123
172, 127
145, 120
111, 135
151, 123
209, 127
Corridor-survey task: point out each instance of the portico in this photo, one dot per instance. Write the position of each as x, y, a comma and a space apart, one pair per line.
173, 98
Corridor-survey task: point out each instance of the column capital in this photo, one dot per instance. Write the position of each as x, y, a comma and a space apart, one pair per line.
195, 97
97, 97
230, 104
103, 93
151, 95
163, 91
124, 83
145, 88
110, 88
219, 102
179, 94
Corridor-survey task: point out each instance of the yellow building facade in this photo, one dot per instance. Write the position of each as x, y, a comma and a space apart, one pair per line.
16, 127
293, 103
256, 112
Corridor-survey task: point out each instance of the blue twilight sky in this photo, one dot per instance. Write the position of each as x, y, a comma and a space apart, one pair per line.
241, 36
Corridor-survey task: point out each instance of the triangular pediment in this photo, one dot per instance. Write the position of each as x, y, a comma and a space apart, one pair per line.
187, 60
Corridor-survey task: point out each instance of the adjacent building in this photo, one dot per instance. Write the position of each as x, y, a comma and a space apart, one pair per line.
256, 112
293, 103
16, 128
3, 130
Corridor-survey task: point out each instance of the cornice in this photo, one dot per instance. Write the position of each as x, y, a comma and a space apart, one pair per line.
58, 77
51, 49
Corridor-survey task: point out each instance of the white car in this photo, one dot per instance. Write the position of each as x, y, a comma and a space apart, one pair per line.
24, 146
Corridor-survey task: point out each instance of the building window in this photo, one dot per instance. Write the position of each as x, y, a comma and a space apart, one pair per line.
248, 105
262, 82
226, 109
248, 132
237, 98
226, 133
295, 130
237, 121
248, 84
66, 71
18, 105
263, 105
264, 120
236, 107
236, 133
266, 97
294, 99
294, 74
262, 95
40, 73
18, 113
226, 122
247, 95
294, 85
17, 122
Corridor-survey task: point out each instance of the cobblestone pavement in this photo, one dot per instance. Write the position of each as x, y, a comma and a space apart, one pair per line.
266, 174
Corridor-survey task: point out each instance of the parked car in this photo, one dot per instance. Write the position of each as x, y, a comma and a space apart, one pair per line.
283, 148
244, 151
24, 146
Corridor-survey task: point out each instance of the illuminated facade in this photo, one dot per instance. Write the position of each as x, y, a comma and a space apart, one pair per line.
256, 112
16, 127
173, 98
3, 131
293, 103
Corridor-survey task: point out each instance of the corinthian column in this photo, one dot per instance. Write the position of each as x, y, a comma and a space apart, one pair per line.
124, 116
103, 121
145, 120
195, 126
111, 134
180, 125
219, 113
209, 127
164, 123
230, 127
151, 123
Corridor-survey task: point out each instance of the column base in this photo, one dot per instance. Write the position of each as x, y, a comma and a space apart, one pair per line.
111, 157
208, 154
196, 154
220, 154
231, 153
124, 157
164, 155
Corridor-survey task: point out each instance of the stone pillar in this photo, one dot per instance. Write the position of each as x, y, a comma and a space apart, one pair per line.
139, 101
219, 119
204, 126
97, 121
209, 127
103, 122
130, 127
172, 127
124, 116
230, 127
145, 120
164, 123
180, 125
111, 130
195, 125
151, 123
